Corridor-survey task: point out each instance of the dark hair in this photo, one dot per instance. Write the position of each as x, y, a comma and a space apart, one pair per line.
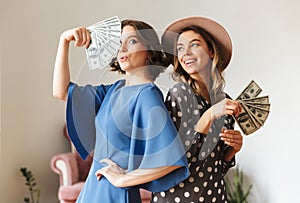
157, 61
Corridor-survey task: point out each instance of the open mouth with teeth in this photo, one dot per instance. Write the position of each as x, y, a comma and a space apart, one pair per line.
189, 62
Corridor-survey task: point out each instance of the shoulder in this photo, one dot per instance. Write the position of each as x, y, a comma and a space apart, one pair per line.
104, 88
183, 88
96, 87
180, 89
148, 96
117, 83
150, 91
180, 86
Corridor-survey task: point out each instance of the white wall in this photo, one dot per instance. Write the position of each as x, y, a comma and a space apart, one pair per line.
266, 48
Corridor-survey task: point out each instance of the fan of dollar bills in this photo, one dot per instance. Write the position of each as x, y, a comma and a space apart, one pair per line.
255, 110
105, 42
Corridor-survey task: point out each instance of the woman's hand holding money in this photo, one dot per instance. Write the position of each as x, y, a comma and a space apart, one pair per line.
81, 36
224, 107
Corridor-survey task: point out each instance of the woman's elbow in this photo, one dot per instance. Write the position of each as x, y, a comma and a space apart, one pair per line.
59, 95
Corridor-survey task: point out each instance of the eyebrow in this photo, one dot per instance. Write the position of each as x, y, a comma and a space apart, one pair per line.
130, 36
193, 40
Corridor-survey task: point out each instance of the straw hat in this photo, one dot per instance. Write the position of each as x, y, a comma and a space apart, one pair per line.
217, 31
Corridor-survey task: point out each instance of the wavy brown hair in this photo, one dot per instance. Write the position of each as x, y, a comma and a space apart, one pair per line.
157, 61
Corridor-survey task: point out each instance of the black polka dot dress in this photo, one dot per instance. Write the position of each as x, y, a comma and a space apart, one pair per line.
204, 152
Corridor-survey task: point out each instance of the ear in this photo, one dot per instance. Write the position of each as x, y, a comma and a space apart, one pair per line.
149, 59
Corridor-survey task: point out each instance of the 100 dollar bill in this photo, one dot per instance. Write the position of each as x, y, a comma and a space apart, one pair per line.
251, 91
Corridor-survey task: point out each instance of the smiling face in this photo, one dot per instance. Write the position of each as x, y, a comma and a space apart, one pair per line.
193, 53
133, 53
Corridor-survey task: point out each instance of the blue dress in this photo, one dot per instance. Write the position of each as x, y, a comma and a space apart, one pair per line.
129, 125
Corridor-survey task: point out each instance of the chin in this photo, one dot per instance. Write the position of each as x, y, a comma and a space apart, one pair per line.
124, 67
190, 71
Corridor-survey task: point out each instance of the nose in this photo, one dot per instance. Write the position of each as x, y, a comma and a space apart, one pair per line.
185, 52
123, 47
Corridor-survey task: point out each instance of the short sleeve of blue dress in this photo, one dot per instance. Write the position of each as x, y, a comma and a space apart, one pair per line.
82, 106
155, 141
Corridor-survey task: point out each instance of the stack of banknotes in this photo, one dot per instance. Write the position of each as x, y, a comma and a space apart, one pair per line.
105, 42
255, 109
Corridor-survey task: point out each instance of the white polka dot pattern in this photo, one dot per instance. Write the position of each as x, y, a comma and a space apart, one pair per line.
204, 152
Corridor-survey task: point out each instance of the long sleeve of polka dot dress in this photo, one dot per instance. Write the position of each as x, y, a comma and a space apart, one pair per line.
184, 110
204, 152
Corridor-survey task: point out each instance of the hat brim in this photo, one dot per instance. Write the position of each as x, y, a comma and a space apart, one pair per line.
217, 31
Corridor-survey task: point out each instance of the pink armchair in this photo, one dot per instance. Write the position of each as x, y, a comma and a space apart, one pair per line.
72, 172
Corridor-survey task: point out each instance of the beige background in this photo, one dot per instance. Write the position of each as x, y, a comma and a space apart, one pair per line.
266, 48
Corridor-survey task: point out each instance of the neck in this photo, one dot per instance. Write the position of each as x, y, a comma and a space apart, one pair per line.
137, 77
204, 78
203, 83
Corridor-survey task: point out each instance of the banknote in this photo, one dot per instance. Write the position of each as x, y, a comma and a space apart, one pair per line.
263, 99
105, 42
255, 110
252, 116
93, 53
245, 122
108, 21
259, 114
251, 91
264, 107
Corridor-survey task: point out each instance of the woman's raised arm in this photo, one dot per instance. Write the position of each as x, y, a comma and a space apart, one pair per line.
61, 75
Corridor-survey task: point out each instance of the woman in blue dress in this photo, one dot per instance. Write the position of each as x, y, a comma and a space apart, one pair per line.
124, 125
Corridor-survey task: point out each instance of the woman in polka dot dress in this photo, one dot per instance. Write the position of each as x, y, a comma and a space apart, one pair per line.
199, 108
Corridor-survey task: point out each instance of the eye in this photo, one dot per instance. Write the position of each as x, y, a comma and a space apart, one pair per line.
194, 44
132, 41
180, 48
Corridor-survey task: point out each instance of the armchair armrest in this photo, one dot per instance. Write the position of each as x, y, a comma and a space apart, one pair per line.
66, 166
